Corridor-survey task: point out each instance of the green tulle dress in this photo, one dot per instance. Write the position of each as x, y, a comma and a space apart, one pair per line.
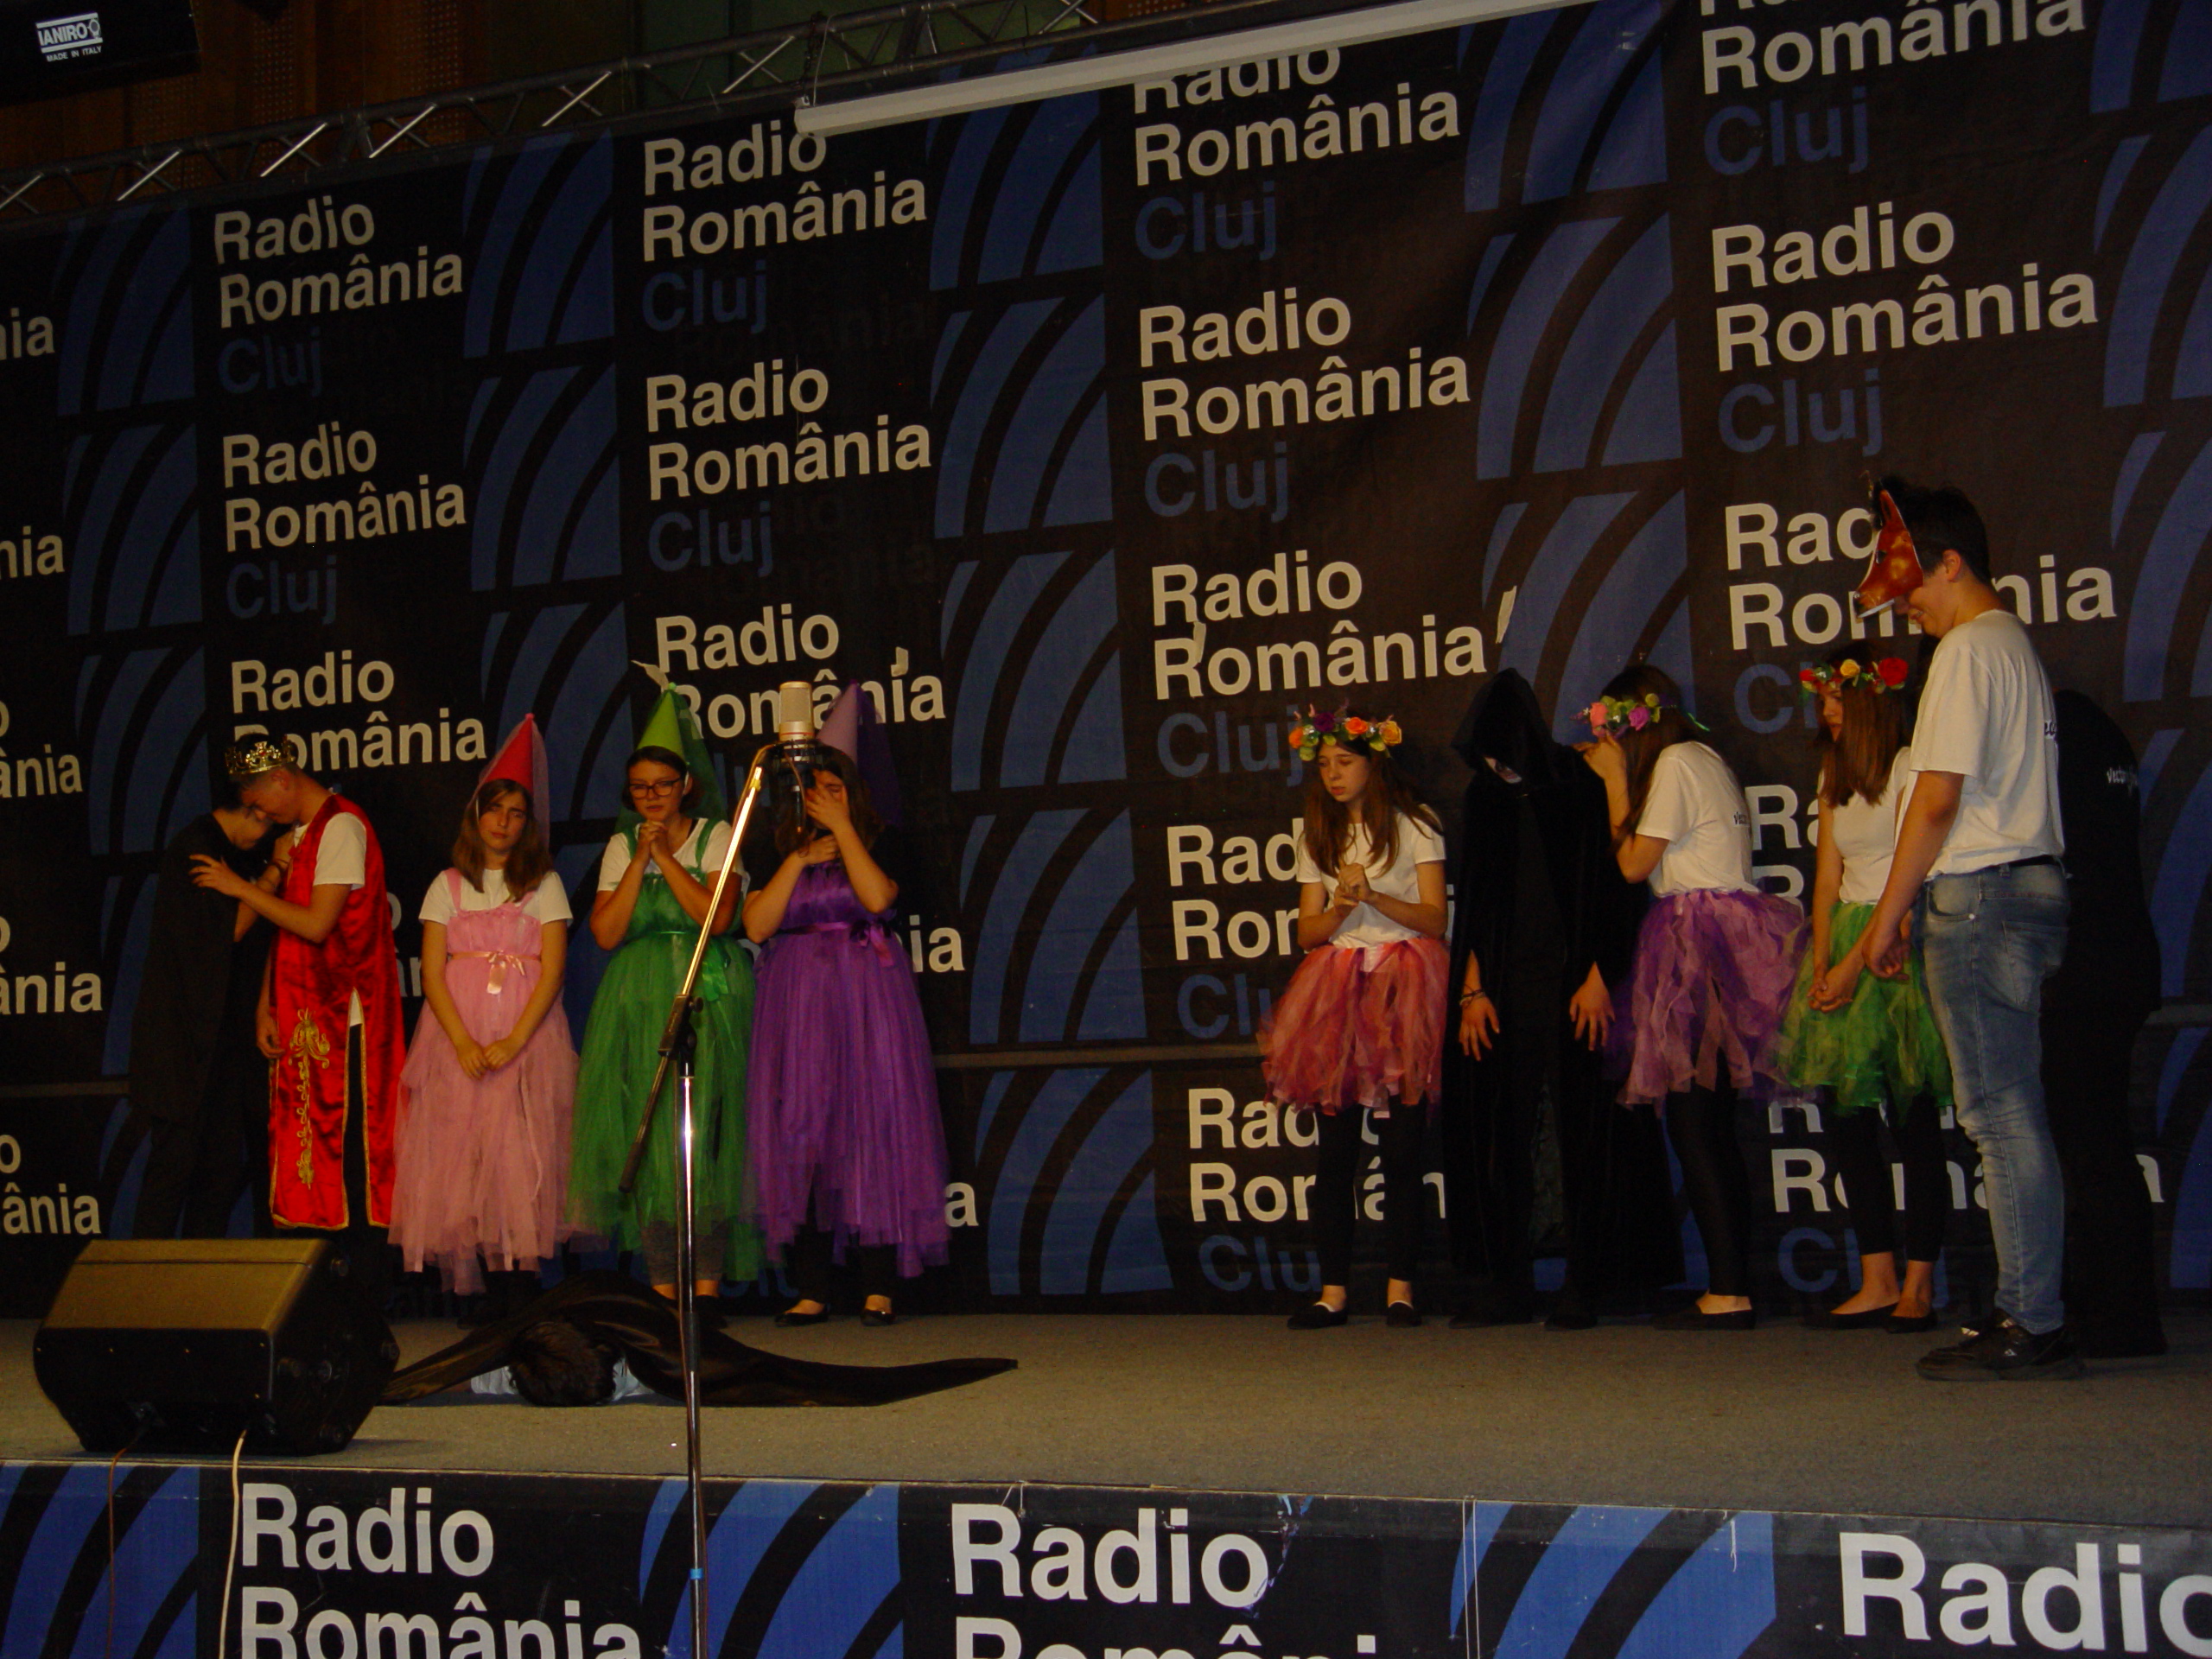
1882, 1046
621, 1050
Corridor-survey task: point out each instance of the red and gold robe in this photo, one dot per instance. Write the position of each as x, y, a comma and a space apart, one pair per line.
311, 991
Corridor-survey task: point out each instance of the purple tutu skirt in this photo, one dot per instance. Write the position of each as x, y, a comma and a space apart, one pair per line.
1708, 989
843, 1115
1359, 1026
483, 1162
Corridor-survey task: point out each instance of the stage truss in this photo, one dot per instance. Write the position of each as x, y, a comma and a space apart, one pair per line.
854, 52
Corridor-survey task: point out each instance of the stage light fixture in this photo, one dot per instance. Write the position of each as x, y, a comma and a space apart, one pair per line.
1151, 63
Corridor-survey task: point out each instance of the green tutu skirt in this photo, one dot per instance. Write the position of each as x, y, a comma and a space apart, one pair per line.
620, 1051
1881, 1045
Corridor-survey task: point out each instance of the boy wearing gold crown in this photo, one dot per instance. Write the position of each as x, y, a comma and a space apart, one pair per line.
328, 1019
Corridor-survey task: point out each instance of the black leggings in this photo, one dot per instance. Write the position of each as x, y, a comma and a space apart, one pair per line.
1342, 1153
1855, 1141
1702, 1126
809, 1260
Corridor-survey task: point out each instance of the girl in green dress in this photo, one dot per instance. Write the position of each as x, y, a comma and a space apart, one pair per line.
655, 881
1871, 1043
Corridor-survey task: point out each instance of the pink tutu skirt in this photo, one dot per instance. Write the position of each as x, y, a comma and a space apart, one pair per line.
483, 1162
1359, 1026
1710, 984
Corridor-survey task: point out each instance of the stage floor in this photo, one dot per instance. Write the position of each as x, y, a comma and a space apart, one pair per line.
1781, 1418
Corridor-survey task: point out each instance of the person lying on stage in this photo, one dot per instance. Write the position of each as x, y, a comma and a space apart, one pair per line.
603, 1336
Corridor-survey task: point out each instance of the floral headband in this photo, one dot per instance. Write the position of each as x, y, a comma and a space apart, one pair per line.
1618, 714
1851, 674
1346, 731
245, 762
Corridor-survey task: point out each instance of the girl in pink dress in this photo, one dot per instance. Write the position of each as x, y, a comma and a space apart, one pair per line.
490, 1079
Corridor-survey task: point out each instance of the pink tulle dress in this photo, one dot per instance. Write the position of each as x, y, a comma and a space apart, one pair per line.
1359, 1026
1361, 1023
484, 1162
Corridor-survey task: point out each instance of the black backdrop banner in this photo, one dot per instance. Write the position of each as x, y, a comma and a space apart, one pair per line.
1099, 436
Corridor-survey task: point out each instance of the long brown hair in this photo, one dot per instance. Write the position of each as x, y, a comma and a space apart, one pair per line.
794, 828
527, 860
1328, 821
1642, 749
1857, 763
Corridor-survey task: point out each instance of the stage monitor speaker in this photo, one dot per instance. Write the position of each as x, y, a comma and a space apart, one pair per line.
176, 1344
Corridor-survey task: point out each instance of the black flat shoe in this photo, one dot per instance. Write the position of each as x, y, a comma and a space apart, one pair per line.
1912, 1326
876, 1318
1693, 1317
1318, 1316
1864, 1319
1401, 1316
792, 1316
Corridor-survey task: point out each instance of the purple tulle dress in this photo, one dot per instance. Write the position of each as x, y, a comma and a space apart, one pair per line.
1710, 983
483, 1162
841, 1096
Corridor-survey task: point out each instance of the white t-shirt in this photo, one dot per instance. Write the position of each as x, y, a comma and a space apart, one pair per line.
1866, 834
548, 900
616, 858
1418, 844
1986, 714
501, 1382
1697, 808
341, 859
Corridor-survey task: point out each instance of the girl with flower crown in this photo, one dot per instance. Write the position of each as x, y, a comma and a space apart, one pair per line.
491, 1077
1361, 1027
1713, 963
1868, 1040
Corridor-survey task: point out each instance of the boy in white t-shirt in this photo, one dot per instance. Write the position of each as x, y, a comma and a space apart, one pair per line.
1978, 859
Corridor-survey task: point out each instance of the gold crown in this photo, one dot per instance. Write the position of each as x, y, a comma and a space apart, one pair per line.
246, 761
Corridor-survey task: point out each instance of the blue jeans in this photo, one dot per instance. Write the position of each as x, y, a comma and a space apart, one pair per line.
1988, 941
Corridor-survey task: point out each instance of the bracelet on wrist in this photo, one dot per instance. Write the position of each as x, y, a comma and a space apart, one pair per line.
1470, 996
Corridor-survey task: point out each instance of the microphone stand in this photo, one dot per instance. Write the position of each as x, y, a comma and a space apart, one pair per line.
678, 1043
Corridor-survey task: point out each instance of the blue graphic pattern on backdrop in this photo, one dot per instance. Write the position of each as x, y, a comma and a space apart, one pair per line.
549, 481
544, 268
127, 337
136, 563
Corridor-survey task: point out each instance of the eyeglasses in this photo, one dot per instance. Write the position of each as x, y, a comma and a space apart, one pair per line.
666, 786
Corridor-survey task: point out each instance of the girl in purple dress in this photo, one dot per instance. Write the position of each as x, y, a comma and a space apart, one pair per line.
848, 1150
491, 1077
1714, 961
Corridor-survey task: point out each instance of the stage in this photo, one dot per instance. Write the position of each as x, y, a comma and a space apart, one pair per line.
1174, 1487
1779, 1417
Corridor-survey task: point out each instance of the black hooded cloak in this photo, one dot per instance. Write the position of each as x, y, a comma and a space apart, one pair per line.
1539, 900
197, 997
641, 1324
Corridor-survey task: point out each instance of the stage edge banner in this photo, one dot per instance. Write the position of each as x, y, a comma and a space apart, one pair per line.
366, 1564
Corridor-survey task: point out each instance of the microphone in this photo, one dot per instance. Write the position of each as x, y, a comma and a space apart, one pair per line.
796, 746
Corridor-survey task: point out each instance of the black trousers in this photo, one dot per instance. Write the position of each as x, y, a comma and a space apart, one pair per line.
364, 1251
1341, 1153
1855, 1141
2111, 1282
197, 1167
1702, 1126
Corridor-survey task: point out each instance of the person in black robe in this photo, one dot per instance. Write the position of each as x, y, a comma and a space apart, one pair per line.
619, 1314
1535, 1143
198, 1080
2093, 1007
